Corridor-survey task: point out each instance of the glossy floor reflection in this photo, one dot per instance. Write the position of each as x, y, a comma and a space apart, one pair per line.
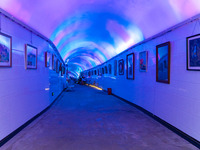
89, 119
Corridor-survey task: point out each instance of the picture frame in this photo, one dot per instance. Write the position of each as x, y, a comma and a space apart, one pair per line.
31, 53
102, 72
57, 66
106, 69
63, 71
163, 63
110, 69
60, 67
121, 66
47, 59
5, 50
115, 67
143, 61
130, 66
193, 52
53, 62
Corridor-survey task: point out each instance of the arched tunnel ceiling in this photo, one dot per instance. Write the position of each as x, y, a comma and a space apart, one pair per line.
89, 32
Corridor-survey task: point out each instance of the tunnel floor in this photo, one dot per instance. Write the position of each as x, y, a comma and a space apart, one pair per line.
89, 119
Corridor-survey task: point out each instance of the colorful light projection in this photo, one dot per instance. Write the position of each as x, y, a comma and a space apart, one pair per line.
88, 32
94, 42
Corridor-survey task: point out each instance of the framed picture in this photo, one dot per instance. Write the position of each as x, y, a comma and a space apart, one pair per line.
102, 72
106, 69
193, 53
163, 63
109, 69
143, 60
5, 50
47, 59
121, 66
63, 71
30, 57
54, 61
60, 67
57, 66
130, 65
115, 67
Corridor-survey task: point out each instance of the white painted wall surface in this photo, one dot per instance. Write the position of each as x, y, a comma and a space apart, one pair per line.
22, 92
178, 103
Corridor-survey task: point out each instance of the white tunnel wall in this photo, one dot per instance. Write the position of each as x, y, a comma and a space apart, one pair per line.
178, 103
25, 93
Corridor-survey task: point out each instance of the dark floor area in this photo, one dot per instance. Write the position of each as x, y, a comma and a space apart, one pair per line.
89, 119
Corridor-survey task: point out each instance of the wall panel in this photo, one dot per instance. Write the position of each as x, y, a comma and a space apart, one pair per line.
25, 93
177, 103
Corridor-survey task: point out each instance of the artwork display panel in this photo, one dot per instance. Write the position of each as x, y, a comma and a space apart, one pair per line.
60, 67
57, 66
193, 53
130, 59
106, 69
47, 59
102, 72
5, 50
63, 71
30, 57
143, 60
163, 63
115, 67
110, 69
121, 66
54, 59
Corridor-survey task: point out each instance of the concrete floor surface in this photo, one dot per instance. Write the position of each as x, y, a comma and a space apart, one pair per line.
88, 119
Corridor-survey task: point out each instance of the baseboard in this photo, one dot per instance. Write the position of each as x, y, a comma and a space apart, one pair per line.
166, 124
11, 135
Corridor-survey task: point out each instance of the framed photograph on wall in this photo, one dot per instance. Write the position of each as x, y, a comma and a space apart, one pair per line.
193, 53
115, 67
102, 71
121, 66
30, 57
63, 71
130, 65
143, 60
60, 67
106, 69
5, 50
54, 60
110, 69
163, 63
57, 66
47, 59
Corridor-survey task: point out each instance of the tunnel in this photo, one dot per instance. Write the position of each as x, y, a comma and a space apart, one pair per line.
99, 75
